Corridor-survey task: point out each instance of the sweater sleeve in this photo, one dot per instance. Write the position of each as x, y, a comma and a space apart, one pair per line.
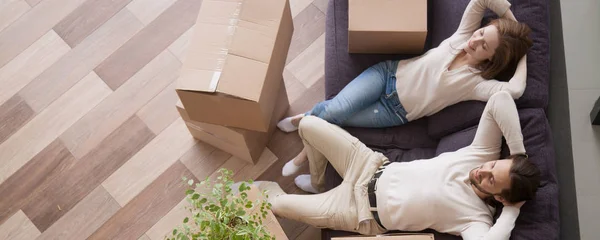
516, 86
471, 19
499, 118
500, 231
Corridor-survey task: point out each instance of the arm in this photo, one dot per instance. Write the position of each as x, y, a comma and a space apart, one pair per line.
500, 117
500, 231
516, 86
471, 19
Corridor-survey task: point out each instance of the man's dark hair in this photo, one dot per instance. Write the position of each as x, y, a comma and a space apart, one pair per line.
524, 180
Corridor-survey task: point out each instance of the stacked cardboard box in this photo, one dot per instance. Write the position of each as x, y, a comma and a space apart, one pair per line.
387, 26
231, 85
242, 143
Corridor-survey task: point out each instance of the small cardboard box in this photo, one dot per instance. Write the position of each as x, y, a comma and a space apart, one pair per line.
391, 236
244, 144
234, 64
387, 26
270, 222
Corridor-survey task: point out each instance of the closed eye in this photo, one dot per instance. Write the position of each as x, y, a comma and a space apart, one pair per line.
492, 178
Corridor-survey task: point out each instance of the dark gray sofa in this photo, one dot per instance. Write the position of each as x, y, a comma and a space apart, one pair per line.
455, 126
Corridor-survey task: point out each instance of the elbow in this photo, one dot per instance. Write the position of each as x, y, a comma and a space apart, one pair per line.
516, 94
503, 96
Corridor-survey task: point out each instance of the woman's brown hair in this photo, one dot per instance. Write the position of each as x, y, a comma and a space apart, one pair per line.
514, 42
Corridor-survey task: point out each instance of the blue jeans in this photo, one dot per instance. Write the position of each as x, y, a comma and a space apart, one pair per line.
370, 100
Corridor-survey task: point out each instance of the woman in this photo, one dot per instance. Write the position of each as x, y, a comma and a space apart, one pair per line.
461, 68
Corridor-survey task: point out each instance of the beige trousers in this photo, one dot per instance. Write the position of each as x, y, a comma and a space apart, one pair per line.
345, 207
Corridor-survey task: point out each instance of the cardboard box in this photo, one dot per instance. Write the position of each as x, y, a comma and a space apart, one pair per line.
270, 222
234, 64
387, 26
391, 236
244, 144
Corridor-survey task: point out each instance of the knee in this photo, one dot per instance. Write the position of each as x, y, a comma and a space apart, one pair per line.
328, 113
308, 124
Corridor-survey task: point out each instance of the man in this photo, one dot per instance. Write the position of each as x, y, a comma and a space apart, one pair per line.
449, 193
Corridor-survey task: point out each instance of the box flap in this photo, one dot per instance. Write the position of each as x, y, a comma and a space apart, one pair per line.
213, 33
387, 15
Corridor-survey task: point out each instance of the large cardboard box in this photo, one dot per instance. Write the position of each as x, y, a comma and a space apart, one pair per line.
392, 236
234, 64
245, 144
270, 222
387, 26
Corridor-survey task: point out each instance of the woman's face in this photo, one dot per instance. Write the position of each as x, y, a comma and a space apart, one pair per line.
483, 43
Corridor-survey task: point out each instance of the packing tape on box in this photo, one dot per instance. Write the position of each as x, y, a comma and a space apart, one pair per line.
223, 52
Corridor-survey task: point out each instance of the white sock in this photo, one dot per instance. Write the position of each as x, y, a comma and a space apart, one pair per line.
286, 124
290, 168
303, 182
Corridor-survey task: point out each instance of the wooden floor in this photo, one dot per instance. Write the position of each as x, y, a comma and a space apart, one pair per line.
91, 145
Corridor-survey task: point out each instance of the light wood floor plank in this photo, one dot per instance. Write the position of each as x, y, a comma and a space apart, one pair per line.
321, 4
308, 26
85, 218
32, 3
309, 66
17, 190
179, 46
14, 113
148, 43
32, 25
30, 63
146, 209
294, 88
90, 130
160, 111
170, 221
296, 6
81, 60
143, 168
87, 18
18, 227
64, 192
11, 10
146, 11
50, 123
203, 159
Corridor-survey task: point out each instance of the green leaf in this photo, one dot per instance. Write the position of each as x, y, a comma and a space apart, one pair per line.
240, 213
195, 196
186, 220
242, 187
189, 191
202, 201
174, 231
249, 205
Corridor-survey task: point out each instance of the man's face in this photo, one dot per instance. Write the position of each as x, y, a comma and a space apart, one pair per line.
492, 177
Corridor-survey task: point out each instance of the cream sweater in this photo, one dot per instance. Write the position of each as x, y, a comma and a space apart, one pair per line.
426, 86
436, 193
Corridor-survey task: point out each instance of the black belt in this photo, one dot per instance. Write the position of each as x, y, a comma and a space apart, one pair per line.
372, 188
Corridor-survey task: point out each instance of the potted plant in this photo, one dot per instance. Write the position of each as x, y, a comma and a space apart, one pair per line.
220, 212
